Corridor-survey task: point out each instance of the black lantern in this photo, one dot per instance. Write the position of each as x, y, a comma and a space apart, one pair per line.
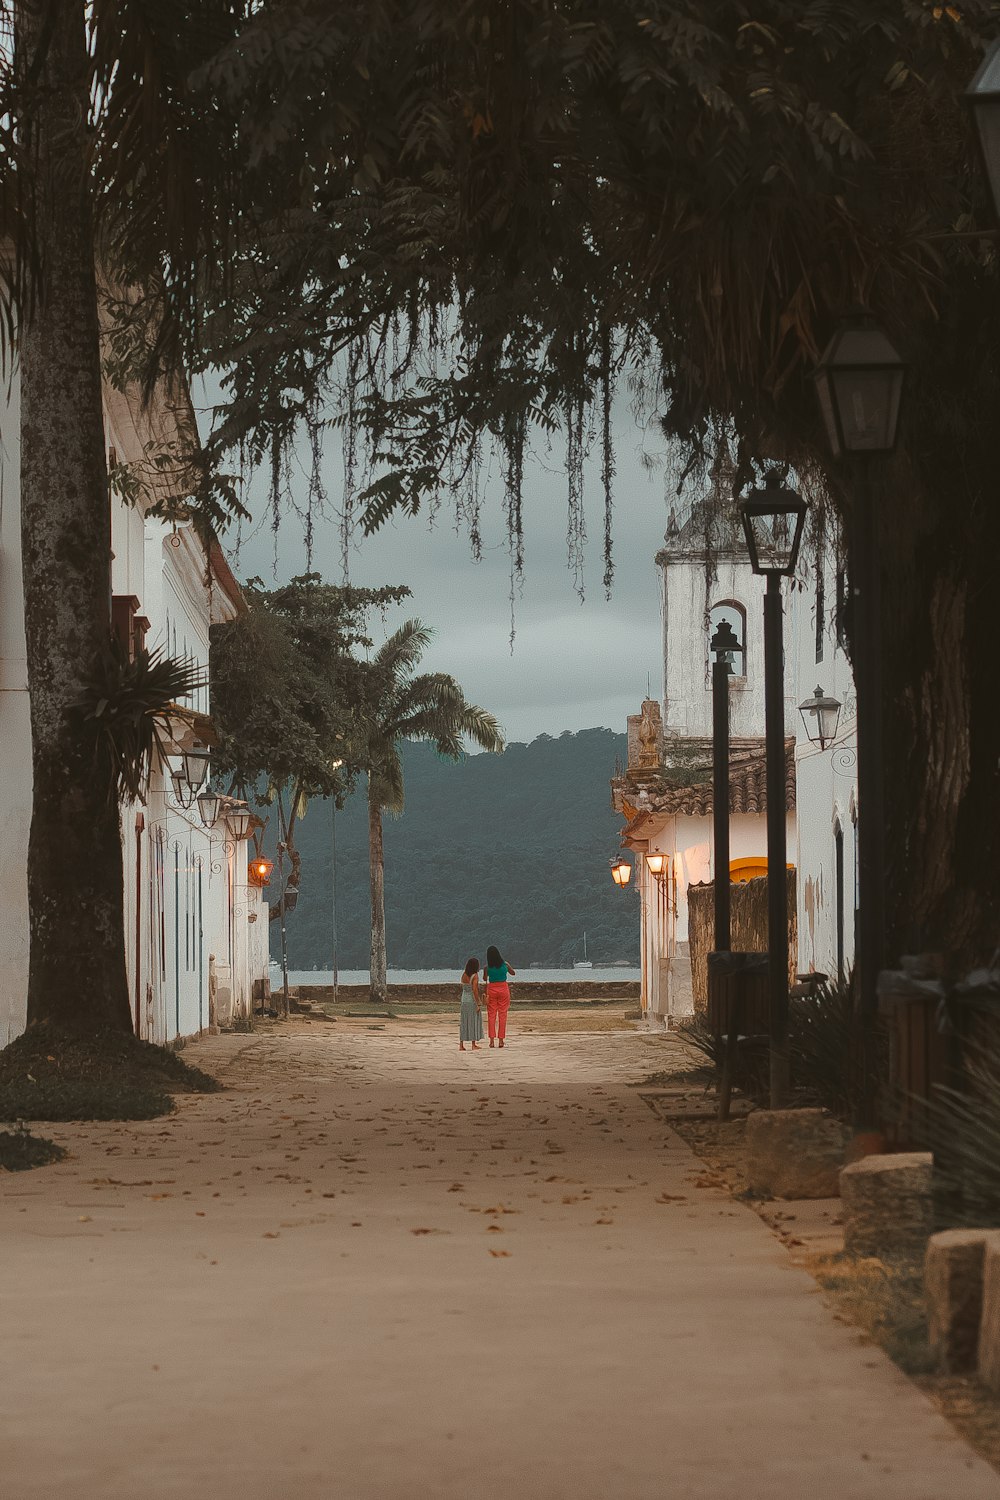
725, 645
859, 382
773, 518
209, 805
238, 819
183, 791
194, 764
820, 715
621, 870
983, 98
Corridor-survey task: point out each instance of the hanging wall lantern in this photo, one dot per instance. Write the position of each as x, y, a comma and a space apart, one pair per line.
820, 715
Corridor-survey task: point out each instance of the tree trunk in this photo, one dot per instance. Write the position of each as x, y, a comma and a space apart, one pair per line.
938, 535
75, 885
376, 867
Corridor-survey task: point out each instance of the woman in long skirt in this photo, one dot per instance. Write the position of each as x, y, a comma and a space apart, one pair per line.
470, 1021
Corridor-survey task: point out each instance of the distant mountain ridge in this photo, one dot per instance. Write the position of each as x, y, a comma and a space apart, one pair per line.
510, 849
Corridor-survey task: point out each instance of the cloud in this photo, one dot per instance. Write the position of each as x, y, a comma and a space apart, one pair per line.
574, 665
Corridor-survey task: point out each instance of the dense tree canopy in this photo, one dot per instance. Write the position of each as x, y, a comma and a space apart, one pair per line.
501, 206
443, 225
287, 686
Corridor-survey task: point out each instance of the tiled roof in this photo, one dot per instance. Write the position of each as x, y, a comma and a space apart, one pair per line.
655, 792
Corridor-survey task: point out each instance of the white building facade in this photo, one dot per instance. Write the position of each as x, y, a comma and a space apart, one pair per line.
195, 923
826, 776
665, 791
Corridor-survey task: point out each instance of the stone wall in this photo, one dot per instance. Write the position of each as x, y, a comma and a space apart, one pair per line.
527, 990
748, 916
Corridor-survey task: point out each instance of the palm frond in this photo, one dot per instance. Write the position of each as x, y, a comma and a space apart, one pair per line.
403, 649
123, 715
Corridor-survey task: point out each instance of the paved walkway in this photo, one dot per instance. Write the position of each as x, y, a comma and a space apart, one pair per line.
378, 1269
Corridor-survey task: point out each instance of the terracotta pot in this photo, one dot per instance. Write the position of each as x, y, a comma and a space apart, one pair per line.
865, 1143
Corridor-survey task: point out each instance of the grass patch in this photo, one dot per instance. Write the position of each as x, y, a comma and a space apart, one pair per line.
48, 1074
19, 1151
703, 1076
885, 1298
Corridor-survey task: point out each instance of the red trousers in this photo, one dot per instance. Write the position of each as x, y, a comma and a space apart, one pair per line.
497, 1006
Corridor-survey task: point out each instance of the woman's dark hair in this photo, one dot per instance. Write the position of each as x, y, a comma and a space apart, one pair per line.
493, 959
470, 968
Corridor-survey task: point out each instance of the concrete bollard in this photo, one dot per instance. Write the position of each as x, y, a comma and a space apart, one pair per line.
888, 1204
953, 1284
795, 1153
989, 1323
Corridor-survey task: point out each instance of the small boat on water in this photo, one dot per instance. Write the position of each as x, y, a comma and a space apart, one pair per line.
584, 962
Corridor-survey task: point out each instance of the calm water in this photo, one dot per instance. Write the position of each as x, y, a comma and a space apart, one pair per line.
445, 976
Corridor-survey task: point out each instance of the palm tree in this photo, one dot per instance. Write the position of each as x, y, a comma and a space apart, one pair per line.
394, 706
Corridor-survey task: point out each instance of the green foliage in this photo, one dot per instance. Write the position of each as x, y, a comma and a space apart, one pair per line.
480, 221
824, 1041
123, 715
964, 1135
286, 685
824, 1038
509, 848
528, 204
396, 704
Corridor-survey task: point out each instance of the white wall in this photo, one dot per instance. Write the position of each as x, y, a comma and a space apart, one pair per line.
687, 599
826, 779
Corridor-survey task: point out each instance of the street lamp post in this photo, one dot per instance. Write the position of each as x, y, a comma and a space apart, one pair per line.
724, 646
773, 518
859, 383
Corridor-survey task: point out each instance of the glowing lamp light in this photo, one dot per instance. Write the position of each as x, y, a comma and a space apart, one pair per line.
260, 869
621, 870
655, 862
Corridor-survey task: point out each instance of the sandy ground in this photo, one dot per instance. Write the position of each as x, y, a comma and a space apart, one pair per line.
376, 1268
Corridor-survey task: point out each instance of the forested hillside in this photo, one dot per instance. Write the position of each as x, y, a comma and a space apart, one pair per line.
510, 849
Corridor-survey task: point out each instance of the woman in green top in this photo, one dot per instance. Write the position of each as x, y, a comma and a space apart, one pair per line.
497, 993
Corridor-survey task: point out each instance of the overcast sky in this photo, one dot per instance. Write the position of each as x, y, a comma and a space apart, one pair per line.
573, 666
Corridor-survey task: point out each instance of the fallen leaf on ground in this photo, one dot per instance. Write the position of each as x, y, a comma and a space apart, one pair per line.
671, 1198
498, 1254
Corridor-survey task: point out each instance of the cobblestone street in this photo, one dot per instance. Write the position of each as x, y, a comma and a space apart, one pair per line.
376, 1268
